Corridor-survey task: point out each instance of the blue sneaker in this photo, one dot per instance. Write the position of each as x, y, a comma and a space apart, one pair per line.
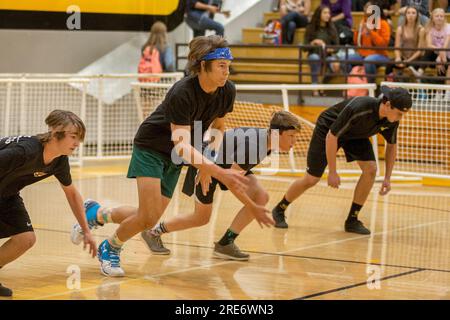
109, 258
90, 208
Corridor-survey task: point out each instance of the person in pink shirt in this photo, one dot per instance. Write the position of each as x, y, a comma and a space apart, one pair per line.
437, 37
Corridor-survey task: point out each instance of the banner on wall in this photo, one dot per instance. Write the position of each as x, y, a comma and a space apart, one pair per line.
113, 15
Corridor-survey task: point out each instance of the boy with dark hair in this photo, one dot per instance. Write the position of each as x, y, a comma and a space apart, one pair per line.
349, 124
163, 143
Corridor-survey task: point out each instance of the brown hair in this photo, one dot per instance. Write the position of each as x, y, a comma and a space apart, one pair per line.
199, 47
157, 38
57, 121
282, 120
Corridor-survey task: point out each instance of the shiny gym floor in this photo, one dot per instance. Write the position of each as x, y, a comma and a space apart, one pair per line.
407, 256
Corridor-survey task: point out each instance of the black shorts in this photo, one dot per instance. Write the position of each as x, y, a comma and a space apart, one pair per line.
189, 186
14, 218
358, 149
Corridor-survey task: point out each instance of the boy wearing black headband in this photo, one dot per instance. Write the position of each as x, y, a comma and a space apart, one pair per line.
349, 124
165, 140
241, 149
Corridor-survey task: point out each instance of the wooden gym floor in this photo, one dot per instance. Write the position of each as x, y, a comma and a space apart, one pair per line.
406, 257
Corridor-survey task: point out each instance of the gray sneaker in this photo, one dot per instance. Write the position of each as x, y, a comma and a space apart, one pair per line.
154, 243
230, 251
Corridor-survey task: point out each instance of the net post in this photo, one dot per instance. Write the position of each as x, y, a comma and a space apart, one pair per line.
22, 113
7, 109
83, 118
285, 97
100, 118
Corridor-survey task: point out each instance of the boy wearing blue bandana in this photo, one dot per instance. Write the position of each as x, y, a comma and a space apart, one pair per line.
242, 149
163, 142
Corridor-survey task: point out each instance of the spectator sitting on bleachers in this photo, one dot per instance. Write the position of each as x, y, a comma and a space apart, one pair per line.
371, 35
321, 32
294, 14
200, 16
437, 36
341, 12
409, 35
424, 6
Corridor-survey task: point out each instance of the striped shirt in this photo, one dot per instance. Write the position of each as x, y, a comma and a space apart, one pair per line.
356, 118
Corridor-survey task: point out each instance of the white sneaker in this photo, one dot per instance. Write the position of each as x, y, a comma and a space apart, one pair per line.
76, 235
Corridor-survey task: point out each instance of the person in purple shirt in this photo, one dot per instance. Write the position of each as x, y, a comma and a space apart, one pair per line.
341, 11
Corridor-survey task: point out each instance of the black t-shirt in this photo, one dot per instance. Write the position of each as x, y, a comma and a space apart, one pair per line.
22, 164
244, 146
356, 118
184, 103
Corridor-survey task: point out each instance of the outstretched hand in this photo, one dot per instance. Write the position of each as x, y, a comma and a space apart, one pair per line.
261, 216
90, 242
385, 187
234, 180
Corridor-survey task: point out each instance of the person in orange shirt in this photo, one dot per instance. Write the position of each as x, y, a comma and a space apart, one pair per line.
373, 31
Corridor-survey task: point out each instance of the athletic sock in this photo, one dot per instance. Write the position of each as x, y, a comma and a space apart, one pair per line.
228, 237
159, 229
115, 242
104, 215
283, 204
354, 211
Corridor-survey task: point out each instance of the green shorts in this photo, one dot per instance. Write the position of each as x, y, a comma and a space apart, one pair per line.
147, 163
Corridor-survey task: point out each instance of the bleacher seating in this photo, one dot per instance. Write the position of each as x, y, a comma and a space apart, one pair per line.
248, 71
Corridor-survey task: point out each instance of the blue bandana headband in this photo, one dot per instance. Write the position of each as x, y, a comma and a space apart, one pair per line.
219, 53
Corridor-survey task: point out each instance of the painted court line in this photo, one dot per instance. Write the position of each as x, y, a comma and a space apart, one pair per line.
148, 277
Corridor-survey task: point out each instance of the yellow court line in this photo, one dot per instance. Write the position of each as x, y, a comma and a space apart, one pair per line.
147, 7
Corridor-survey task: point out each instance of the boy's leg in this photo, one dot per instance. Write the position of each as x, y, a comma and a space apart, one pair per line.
200, 217
362, 191
316, 162
296, 189
97, 216
225, 247
11, 250
150, 209
16, 246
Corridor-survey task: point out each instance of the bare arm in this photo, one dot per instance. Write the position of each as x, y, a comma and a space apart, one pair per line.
398, 44
418, 53
283, 8
259, 212
331, 147
390, 156
207, 7
307, 7
340, 16
331, 150
219, 125
181, 137
76, 204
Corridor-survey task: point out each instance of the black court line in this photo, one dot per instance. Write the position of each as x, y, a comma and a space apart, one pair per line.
276, 254
356, 285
